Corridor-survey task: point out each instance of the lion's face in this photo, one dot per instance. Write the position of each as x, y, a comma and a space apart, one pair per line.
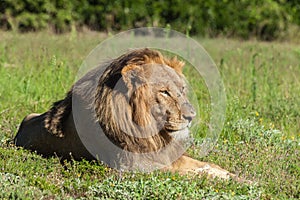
158, 95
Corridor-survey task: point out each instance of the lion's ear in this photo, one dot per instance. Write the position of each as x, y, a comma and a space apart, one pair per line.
133, 76
129, 68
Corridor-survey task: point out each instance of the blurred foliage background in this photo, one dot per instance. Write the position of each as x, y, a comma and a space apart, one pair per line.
265, 20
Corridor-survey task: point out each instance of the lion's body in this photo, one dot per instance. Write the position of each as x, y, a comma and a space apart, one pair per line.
34, 136
140, 92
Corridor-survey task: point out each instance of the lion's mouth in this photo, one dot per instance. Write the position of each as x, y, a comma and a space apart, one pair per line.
175, 126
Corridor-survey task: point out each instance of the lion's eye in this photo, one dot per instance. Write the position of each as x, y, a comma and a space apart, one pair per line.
165, 93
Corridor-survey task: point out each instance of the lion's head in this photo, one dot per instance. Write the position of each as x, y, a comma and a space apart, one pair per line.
141, 101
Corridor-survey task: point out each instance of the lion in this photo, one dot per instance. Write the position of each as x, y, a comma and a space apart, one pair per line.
140, 103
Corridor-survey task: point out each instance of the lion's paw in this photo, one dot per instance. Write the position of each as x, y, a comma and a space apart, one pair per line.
214, 172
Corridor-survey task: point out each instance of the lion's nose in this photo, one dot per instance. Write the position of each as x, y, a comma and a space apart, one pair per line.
188, 111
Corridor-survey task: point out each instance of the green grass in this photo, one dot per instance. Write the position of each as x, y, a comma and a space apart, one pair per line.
260, 139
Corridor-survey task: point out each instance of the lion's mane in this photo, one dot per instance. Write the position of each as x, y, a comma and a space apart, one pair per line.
104, 102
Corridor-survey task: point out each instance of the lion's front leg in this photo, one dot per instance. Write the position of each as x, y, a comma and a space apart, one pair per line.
187, 165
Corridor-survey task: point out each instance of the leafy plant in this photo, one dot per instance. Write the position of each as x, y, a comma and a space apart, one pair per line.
266, 20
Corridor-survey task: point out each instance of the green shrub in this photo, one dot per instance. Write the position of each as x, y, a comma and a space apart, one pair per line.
266, 20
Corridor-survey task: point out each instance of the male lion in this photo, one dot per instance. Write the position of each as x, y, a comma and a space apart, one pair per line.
140, 103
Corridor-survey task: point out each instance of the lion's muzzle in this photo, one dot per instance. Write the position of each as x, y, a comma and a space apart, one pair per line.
187, 111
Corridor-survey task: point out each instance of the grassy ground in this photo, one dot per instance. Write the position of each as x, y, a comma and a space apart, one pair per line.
260, 140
